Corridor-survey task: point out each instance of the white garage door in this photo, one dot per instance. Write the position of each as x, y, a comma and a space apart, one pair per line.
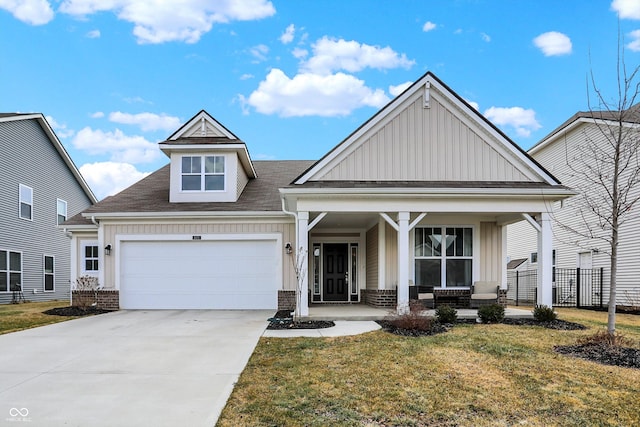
229, 274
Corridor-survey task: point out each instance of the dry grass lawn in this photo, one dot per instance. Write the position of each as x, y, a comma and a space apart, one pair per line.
16, 317
473, 375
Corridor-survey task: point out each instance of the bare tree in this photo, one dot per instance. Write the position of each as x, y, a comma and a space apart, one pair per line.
605, 169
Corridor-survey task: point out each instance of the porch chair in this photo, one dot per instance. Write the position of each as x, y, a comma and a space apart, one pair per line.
426, 297
484, 293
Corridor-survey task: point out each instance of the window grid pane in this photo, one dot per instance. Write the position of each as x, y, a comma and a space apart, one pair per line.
15, 261
455, 261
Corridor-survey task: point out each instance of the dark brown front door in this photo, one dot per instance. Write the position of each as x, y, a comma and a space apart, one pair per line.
335, 287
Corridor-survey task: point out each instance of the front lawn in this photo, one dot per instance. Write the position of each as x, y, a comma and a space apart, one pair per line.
15, 317
473, 375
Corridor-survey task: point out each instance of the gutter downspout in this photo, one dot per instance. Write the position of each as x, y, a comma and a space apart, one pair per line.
295, 219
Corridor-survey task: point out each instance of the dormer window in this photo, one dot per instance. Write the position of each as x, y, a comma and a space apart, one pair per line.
203, 173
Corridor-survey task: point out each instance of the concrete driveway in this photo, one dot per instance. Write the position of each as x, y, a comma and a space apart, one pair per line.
128, 368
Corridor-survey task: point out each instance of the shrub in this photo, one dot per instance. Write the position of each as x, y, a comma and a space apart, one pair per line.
85, 292
544, 313
604, 337
493, 313
412, 320
446, 314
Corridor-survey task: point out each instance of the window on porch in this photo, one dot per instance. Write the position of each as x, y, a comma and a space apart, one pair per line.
444, 259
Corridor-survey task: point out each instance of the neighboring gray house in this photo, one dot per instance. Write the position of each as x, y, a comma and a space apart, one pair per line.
40, 187
557, 152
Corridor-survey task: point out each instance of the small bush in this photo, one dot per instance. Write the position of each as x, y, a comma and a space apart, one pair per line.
446, 314
544, 313
85, 291
412, 321
493, 313
604, 337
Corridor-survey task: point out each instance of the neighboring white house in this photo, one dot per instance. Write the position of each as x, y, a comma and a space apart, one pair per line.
557, 153
421, 192
40, 187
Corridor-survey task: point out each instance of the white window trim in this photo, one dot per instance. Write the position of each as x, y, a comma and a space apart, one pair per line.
85, 272
203, 175
444, 258
531, 261
8, 271
44, 273
58, 211
20, 202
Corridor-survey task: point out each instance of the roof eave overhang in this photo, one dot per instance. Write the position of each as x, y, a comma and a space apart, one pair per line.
239, 148
553, 193
184, 214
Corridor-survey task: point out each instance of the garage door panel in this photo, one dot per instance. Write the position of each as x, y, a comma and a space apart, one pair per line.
234, 274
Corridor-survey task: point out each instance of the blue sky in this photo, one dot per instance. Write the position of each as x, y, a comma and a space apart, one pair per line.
293, 78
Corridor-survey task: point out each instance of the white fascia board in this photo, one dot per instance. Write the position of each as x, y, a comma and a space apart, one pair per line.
207, 117
425, 192
185, 215
240, 149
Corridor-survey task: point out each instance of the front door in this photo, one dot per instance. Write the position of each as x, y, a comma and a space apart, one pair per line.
336, 267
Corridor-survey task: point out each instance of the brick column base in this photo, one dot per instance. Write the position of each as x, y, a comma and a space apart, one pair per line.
502, 297
286, 300
105, 299
380, 297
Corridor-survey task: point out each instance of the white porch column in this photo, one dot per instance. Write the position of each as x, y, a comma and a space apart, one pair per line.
403, 262
545, 259
302, 263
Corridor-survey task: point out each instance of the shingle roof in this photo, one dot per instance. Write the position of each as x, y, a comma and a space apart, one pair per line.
424, 184
515, 263
631, 115
151, 194
202, 140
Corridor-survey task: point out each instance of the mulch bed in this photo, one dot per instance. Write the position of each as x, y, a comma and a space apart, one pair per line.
75, 311
436, 328
283, 320
561, 325
603, 353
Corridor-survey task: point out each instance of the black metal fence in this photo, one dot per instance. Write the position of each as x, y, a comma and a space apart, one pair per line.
572, 287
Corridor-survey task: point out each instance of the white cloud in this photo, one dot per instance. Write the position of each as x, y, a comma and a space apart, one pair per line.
94, 34
308, 94
146, 121
634, 44
397, 90
428, 26
260, 52
331, 55
246, 76
120, 147
287, 36
485, 37
60, 129
97, 115
109, 178
523, 121
626, 9
160, 21
553, 43
300, 53
34, 12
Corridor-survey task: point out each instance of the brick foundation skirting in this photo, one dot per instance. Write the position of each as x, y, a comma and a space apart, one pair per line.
106, 299
380, 297
286, 300
502, 297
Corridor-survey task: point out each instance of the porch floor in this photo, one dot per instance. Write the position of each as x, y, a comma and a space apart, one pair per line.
366, 312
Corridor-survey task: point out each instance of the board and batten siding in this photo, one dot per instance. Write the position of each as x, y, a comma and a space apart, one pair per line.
425, 144
391, 257
28, 157
372, 258
287, 230
490, 252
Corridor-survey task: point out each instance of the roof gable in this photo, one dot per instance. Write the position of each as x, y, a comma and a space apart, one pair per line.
428, 133
202, 125
42, 121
